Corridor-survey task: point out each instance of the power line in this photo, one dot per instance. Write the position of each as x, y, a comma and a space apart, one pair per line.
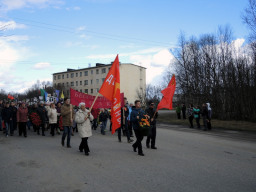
97, 34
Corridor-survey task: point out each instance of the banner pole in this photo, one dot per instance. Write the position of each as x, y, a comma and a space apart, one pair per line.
94, 101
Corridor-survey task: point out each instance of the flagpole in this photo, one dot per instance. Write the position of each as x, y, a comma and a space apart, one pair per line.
94, 101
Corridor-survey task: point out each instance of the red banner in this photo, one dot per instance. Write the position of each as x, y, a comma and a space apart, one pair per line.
77, 97
111, 90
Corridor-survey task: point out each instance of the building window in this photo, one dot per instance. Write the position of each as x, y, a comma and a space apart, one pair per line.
58, 76
108, 68
98, 90
97, 81
54, 77
81, 83
91, 72
86, 91
67, 83
76, 74
103, 70
63, 84
103, 79
97, 71
54, 84
91, 90
85, 82
91, 81
72, 83
67, 75
86, 73
63, 76
81, 90
76, 83
72, 75
67, 92
81, 74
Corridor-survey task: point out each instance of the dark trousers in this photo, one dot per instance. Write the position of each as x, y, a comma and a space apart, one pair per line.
190, 118
42, 127
94, 124
130, 128
125, 130
151, 136
178, 115
139, 138
53, 127
22, 128
184, 114
66, 132
198, 123
84, 145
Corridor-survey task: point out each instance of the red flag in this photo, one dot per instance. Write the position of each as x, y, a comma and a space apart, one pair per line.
111, 90
168, 93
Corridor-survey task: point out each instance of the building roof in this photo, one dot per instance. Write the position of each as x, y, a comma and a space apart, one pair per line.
98, 65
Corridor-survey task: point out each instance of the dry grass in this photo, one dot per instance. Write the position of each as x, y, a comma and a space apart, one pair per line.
171, 118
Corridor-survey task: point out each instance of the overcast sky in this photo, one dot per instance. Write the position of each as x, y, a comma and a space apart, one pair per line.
41, 37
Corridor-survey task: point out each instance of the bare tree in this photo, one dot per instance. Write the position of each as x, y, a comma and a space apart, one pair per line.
249, 18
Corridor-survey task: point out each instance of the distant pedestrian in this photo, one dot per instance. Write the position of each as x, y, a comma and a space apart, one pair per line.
178, 111
183, 109
52, 115
7, 115
22, 118
103, 118
205, 117
67, 121
43, 116
197, 116
83, 119
151, 138
209, 115
190, 113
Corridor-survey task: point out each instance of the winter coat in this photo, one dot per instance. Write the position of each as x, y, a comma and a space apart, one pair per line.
150, 112
135, 122
83, 126
196, 113
67, 116
22, 114
7, 114
14, 113
52, 115
42, 112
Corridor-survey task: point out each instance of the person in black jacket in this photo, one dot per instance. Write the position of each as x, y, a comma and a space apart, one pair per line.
124, 122
7, 117
136, 114
14, 116
43, 116
151, 112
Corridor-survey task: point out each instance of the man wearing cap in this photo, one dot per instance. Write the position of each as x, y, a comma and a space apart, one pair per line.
151, 112
67, 114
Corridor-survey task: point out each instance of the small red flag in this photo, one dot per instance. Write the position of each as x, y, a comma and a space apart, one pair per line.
168, 93
111, 90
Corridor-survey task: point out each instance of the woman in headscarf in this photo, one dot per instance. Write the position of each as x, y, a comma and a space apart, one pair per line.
83, 119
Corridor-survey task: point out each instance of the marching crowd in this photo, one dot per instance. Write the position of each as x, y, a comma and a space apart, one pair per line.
68, 119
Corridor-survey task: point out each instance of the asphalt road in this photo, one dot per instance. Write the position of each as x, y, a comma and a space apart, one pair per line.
186, 160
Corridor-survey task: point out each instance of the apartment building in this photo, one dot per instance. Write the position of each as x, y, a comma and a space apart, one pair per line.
89, 80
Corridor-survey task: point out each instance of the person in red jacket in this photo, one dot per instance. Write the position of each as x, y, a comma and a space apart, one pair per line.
22, 118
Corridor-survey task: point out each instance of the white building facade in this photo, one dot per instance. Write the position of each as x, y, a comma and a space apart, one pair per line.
89, 80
